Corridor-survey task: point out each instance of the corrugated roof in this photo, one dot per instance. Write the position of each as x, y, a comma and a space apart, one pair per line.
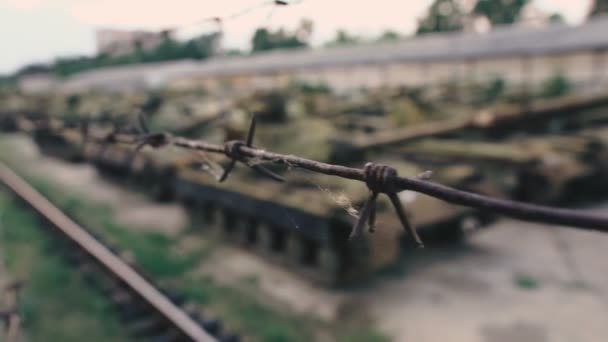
502, 41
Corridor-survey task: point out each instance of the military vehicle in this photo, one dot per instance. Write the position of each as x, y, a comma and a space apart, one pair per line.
305, 222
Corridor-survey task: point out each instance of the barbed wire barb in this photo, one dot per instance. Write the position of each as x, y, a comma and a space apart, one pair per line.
232, 150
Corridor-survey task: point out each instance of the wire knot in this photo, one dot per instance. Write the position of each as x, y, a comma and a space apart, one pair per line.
111, 138
381, 179
157, 140
232, 149
145, 137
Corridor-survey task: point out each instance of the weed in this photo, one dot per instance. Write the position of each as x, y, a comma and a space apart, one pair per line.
56, 304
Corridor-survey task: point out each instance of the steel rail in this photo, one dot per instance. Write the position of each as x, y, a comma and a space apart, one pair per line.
104, 256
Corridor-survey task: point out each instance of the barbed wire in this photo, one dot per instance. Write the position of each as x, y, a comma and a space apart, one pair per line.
219, 21
380, 179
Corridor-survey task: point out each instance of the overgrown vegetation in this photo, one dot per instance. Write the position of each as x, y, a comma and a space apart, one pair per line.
197, 48
442, 16
169, 49
265, 39
158, 256
453, 15
56, 304
600, 7
489, 92
151, 250
311, 87
556, 86
500, 12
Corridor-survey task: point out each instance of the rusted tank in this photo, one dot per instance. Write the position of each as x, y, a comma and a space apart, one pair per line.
56, 140
305, 222
155, 172
542, 170
15, 107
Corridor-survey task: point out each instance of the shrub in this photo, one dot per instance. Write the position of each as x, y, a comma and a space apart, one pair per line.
556, 85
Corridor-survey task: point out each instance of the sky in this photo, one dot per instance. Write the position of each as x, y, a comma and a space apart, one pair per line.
40, 30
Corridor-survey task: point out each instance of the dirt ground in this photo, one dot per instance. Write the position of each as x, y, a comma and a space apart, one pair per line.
227, 265
131, 208
512, 281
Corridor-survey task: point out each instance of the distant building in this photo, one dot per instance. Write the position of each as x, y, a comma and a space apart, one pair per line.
120, 42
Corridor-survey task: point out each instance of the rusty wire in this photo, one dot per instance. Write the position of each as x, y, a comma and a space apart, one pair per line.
378, 178
220, 20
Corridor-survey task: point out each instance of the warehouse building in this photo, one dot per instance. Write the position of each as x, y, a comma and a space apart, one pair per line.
518, 55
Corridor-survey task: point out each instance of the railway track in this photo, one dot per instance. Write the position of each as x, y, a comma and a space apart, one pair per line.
148, 312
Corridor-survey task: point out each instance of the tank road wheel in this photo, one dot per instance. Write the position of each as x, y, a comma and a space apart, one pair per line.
123, 161
92, 151
231, 225
265, 236
163, 190
138, 164
113, 160
329, 261
245, 232
108, 157
99, 157
217, 227
163, 183
141, 174
209, 213
193, 208
295, 248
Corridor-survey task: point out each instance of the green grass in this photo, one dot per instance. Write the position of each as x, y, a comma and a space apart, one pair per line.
248, 315
153, 252
55, 304
161, 258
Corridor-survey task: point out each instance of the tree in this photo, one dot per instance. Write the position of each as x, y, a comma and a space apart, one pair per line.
201, 47
7, 82
264, 40
500, 12
343, 38
389, 36
234, 52
556, 18
556, 86
443, 16
168, 48
33, 69
261, 40
599, 7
